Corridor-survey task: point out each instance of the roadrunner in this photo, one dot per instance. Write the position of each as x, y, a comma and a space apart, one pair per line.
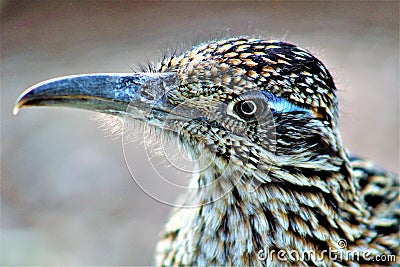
275, 185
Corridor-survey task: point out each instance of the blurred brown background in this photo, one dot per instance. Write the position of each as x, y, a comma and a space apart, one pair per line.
66, 195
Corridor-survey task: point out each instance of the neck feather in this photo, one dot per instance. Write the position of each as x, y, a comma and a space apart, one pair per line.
235, 218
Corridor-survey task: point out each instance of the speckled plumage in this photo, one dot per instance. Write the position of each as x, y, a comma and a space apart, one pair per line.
312, 195
278, 179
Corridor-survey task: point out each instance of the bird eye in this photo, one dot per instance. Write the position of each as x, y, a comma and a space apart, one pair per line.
249, 109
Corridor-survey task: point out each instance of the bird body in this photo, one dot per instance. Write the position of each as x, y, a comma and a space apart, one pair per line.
274, 184
249, 229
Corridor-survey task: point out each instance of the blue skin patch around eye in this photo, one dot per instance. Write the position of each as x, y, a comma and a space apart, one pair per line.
281, 105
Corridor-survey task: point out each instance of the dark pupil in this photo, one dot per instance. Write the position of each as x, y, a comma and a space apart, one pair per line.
248, 108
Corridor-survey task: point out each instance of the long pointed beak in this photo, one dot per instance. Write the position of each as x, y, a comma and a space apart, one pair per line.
109, 93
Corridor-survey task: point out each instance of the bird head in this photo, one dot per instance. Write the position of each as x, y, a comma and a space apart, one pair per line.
252, 105
260, 111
